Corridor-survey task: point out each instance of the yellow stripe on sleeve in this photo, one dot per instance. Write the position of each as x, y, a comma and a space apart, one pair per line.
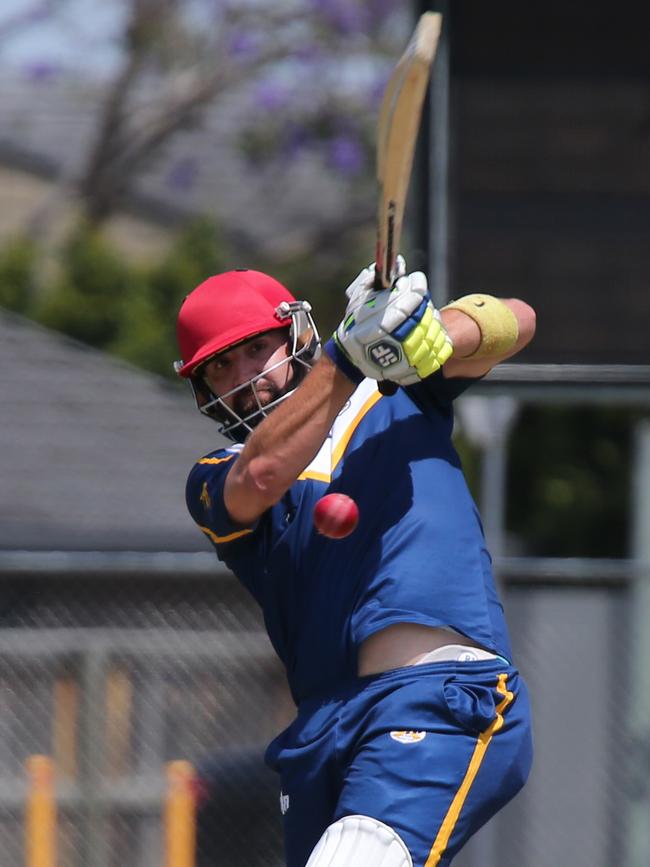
342, 444
449, 822
318, 477
215, 460
316, 470
219, 540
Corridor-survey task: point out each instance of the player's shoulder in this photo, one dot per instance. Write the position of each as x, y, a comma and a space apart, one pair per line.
217, 460
221, 455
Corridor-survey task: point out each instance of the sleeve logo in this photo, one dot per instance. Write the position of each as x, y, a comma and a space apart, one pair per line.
205, 497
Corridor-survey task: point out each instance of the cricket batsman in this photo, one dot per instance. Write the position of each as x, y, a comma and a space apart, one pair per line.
413, 723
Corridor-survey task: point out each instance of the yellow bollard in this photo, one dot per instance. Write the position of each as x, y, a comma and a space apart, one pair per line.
40, 813
180, 815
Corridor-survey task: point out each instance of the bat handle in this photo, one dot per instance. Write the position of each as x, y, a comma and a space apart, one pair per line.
386, 387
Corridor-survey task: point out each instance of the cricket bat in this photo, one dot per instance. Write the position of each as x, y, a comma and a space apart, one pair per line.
399, 122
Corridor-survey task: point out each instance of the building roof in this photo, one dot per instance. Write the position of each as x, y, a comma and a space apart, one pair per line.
95, 452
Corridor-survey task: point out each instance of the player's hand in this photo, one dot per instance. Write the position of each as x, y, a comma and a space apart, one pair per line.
395, 335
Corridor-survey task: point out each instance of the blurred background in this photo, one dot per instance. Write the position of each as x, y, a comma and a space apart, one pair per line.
145, 144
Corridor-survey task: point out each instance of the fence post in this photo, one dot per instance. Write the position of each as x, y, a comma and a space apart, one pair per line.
40, 813
180, 815
638, 827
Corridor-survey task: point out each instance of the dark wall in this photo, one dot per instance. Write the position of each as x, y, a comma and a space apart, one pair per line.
550, 170
559, 38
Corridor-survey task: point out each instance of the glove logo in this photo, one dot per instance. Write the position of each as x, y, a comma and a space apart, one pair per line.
384, 354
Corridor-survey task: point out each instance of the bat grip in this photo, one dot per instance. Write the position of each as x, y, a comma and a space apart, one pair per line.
386, 387
379, 283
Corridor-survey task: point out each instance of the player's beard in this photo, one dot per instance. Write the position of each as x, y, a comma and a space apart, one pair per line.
245, 405
245, 402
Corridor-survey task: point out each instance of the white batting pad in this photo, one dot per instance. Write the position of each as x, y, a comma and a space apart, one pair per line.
360, 840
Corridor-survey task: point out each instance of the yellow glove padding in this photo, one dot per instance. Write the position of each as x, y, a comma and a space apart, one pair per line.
428, 346
496, 321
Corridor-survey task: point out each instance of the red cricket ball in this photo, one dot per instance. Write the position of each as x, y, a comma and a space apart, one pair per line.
336, 516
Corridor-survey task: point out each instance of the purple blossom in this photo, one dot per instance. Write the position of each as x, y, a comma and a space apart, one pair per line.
355, 16
307, 52
271, 97
182, 175
296, 140
383, 8
242, 44
42, 71
344, 16
376, 91
346, 154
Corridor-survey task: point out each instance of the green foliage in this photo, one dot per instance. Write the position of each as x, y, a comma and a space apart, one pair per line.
86, 300
17, 266
197, 254
147, 336
569, 481
101, 298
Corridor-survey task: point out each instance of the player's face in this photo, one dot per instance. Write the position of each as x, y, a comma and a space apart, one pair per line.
239, 365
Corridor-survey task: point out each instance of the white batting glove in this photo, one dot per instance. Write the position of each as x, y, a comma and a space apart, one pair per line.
363, 286
395, 335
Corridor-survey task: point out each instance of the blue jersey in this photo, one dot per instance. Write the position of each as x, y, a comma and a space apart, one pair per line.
418, 554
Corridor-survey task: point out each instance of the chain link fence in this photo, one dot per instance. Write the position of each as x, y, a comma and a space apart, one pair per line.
114, 676
116, 673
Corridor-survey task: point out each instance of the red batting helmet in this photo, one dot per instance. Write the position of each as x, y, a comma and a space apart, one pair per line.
227, 309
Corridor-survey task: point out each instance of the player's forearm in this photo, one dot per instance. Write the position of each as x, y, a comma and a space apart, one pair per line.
467, 337
285, 442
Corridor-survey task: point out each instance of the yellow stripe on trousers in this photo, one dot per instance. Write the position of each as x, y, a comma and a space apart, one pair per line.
449, 823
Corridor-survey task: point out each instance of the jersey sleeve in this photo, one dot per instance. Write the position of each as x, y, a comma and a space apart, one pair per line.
205, 502
439, 390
